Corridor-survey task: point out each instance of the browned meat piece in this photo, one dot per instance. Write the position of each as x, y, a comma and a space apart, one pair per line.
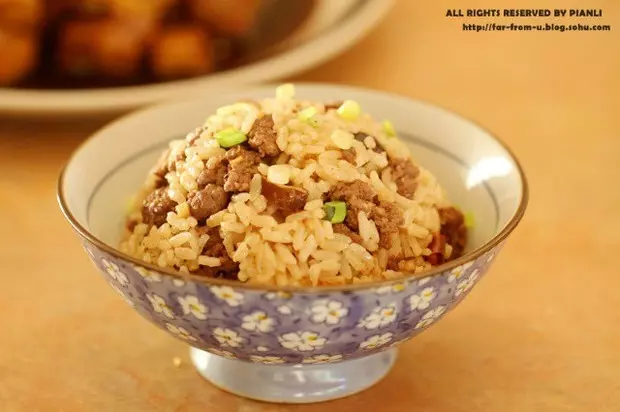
438, 248
242, 165
214, 172
358, 195
182, 51
131, 224
454, 229
102, 47
344, 230
229, 17
332, 106
156, 207
354, 206
18, 55
207, 201
262, 136
394, 261
346, 191
215, 248
349, 155
405, 174
286, 199
387, 217
21, 15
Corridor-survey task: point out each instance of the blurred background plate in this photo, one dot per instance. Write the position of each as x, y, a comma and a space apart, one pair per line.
289, 37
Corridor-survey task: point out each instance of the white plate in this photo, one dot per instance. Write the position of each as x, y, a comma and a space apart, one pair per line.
334, 26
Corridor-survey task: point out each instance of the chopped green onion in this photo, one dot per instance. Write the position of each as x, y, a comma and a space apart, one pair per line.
335, 212
230, 137
349, 110
307, 115
469, 220
388, 128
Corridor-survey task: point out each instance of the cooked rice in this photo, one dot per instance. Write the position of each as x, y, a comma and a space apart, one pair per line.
303, 249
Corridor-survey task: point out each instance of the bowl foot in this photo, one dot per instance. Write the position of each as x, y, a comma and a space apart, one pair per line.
293, 383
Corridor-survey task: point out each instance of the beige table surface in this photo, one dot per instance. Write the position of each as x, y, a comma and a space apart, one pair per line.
540, 333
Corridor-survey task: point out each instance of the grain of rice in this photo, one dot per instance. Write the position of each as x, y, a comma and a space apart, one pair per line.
234, 227
185, 253
308, 247
180, 239
276, 237
209, 261
284, 254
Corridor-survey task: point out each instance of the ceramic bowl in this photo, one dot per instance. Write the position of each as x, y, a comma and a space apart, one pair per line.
293, 345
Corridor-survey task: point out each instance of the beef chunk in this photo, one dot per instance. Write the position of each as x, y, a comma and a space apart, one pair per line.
453, 228
262, 136
214, 172
344, 230
285, 199
355, 189
405, 174
388, 217
156, 207
349, 155
333, 105
242, 165
394, 261
207, 201
358, 195
438, 248
215, 248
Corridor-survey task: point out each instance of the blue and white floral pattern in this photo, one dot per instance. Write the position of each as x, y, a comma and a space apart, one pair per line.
290, 327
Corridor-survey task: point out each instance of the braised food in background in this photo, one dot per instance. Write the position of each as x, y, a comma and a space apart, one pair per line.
105, 43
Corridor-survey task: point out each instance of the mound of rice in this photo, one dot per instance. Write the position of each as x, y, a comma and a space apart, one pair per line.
259, 208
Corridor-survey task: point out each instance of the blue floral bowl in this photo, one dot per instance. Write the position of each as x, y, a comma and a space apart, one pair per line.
318, 343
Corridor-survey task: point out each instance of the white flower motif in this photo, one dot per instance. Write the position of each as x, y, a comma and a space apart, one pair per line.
115, 272
147, 274
228, 295
121, 294
191, 304
376, 341
467, 284
178, 282
328, 312
424, 281
262, 349
319, 359
180, 332
459, 271
395, 288
227, 337
285, 310
302, 341
160, 306
379, 317
430, 317
278, 295
423, 300
267, 360
257, 321
223, 353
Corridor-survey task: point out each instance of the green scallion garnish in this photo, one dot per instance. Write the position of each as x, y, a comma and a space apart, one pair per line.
230, 137
335, 211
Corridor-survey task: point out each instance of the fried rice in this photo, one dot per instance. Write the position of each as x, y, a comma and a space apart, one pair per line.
290, 192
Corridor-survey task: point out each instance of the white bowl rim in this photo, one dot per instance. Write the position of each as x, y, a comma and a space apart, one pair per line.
310, 53
496, 240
